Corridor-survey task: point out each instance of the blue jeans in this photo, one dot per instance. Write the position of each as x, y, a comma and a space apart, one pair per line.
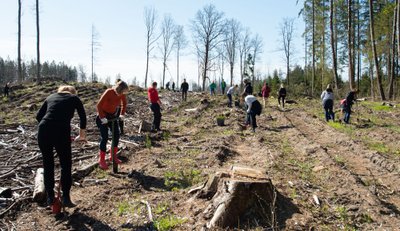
104, 133
347, 113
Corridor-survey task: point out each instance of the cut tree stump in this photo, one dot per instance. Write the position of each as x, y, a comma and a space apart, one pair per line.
39, 192
241, 195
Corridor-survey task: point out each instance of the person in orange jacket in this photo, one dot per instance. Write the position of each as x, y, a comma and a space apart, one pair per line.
108, 109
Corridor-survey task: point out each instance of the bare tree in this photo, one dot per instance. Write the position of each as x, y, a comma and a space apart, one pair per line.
208, 27
150, 20
393, 54
256, 46
95, 45
167, 34
180, 42
333, 44
20, 76
376, 62
244, 48
287, 28
350, 44
82, 73
37, 42
231, 43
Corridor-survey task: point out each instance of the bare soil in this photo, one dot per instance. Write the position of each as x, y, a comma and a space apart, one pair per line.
328, 176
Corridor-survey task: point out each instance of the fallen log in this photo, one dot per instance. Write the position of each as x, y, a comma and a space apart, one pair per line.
80, 173
39, 191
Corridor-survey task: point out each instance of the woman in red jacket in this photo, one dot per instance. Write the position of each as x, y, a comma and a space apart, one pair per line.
155, 106
108, 109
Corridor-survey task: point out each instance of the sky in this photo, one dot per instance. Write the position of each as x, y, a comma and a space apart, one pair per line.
65, 34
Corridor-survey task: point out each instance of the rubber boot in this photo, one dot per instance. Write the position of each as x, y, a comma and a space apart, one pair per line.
102, 161
66, 200
117, 161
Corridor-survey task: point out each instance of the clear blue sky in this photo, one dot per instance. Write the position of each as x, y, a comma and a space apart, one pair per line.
65, 28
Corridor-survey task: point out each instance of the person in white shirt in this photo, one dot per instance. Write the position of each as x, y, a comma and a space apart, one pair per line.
253, 108
229, 93
327, 102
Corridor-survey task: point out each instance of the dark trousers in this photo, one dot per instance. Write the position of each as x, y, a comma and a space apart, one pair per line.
155, 108
283, 100
184, 95
251, 119
52, 136
347, 113
328, 106
229, 100
104, 133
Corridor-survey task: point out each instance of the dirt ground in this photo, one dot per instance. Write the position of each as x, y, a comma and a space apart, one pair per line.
328, 176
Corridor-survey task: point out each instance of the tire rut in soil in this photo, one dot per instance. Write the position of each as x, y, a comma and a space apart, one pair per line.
374, 182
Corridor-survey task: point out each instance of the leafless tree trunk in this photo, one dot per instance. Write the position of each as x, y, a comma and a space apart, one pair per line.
20, 76
208, 27
313, 48
256, 45
393, 53
150, 20
95, 44
167, 34
350, 44
231, 44
334, 46
180, 42
244, 48
372, 31
287, 30
37, 42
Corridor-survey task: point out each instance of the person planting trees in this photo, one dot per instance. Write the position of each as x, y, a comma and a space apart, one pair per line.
282, 95
265, 92
155, 106
348, 103
253, 108
327, 98
184, 89
111, 102
54, 132
229, 93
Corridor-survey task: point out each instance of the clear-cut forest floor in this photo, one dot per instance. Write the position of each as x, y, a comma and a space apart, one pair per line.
328, 176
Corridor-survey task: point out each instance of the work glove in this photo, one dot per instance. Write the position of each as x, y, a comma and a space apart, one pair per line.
121, 117
104, 121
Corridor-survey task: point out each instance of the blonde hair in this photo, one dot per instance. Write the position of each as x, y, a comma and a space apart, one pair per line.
121, 86
67, 89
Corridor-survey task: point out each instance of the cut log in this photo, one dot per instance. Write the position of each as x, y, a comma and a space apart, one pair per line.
241, 195
39, 192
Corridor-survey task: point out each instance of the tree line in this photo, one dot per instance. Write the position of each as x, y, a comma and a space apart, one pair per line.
357, 37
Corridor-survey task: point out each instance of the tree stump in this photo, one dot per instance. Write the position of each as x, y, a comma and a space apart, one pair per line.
239, 196
39, 192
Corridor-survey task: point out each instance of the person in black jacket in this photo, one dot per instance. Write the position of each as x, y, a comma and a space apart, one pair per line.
54, 132
184, 89
350, 98
6, 89
248, 89
282, 95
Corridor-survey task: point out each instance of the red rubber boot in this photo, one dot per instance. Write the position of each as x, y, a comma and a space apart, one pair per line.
102, 161
117, 161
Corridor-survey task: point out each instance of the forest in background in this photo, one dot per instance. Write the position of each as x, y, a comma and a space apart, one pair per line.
356, 37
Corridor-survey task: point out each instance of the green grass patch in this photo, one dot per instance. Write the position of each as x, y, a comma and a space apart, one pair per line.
341, 127
378, 146
147, 142
125, 207
381, 108
168, 222
175, 180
